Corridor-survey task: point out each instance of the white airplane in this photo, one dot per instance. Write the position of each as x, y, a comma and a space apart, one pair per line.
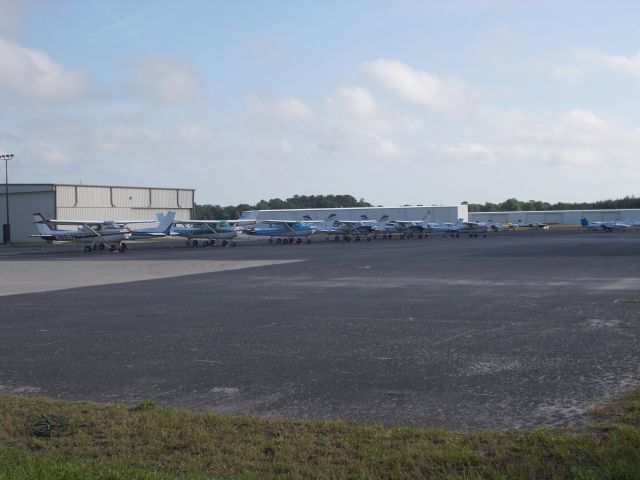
209, 231
607, 226
99, 234
347, 229
460, 226
503, 227
539, 225
284, 231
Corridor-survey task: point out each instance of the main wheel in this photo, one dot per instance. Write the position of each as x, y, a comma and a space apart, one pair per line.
278, 241
285, 241
87, 249
205, 243
298, 240
194, 243
123, 246
234, 243
336, 238
101, 246
224, 243
357, 238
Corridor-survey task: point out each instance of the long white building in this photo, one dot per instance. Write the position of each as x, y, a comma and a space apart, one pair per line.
431, 213
89, 202
555, 217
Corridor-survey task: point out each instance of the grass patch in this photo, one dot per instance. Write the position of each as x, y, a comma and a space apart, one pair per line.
112, 441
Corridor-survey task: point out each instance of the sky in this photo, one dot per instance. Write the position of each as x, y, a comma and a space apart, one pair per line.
403, 102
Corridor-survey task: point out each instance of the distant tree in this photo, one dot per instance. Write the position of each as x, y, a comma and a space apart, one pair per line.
513, 204
216, 212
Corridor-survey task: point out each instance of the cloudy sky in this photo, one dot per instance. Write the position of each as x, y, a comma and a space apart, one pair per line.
403, 102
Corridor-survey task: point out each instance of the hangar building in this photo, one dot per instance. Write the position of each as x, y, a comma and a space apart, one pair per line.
555, 217
88, 202
432, 213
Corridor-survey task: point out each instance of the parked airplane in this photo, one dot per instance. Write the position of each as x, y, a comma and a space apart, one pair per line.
347, 229
502, 227
539, 225
384, 226
607, 226
99, 234
412, 227
460, 226
284, 231
320, 226
208, 231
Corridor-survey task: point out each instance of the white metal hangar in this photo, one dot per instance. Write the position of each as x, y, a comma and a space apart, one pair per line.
555, 217
88, 202
431, 213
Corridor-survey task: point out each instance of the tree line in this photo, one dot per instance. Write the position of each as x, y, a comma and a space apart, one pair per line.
230, 212
513, 204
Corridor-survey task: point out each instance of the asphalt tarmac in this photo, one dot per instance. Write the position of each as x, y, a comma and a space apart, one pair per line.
511, 331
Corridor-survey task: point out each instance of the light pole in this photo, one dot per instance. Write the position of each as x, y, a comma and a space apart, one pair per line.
6, 228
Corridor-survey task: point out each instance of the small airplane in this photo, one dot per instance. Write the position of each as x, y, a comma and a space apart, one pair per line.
538, 225
384, 226
607, 226
503, 227
284, 231
347, 229
460, 226
209, 231
320, 225
99, 234
412, 227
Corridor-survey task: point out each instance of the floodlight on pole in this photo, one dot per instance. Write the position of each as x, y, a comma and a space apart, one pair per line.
6, 228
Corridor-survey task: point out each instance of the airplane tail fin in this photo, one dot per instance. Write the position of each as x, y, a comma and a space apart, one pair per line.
364, 217
165, 222
383, 218
42, 224
584, 221
307, 218
330, 217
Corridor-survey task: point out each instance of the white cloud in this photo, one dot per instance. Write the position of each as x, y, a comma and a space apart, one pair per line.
358, 143
625, 64
50, 155
167, 80
277, 147
127, 139
32, 74
420, 87
583, 61
194, 134
463, 151
287, 109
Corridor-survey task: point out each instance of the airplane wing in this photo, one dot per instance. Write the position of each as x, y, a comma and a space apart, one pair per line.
351, 222
407, 222
281, 222
80, 222
197, 222
214, 222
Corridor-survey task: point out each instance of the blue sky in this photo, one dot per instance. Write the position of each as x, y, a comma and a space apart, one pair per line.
398, 102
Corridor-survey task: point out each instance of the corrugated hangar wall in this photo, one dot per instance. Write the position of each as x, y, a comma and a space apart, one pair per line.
90, 202
555, 217
431, 213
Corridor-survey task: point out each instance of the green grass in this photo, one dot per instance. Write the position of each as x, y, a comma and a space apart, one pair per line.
148, 442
